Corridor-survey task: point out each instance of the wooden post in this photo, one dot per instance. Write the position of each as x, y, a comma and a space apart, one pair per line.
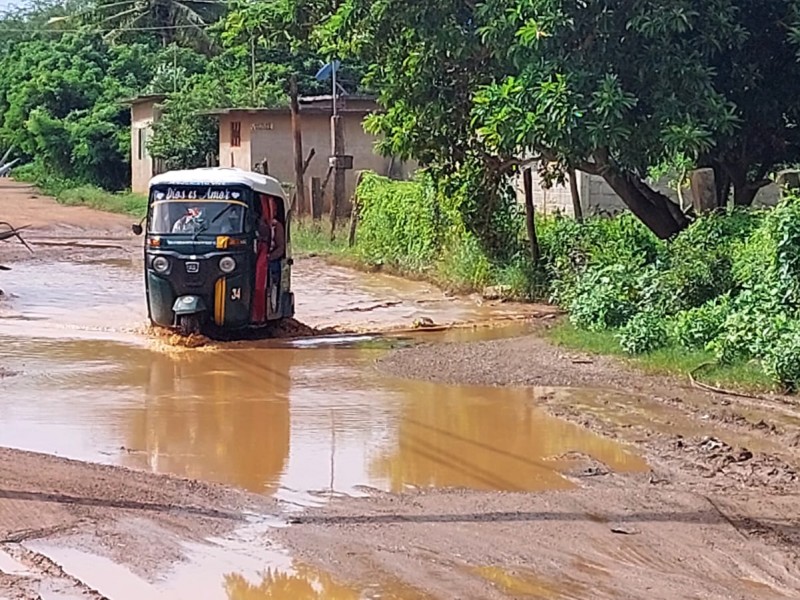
297, 135
527, 180
577, 208
704, 191
316, 198
351, 240
337, 150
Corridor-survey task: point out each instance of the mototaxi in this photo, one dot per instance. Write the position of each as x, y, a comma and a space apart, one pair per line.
209, 234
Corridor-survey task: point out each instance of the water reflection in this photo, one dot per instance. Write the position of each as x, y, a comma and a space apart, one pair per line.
284, 419
220, 416
486, 438
305, 583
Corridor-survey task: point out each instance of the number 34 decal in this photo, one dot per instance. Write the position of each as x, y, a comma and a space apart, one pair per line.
236, 294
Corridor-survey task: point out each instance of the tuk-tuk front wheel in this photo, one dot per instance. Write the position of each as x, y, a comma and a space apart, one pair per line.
189, 325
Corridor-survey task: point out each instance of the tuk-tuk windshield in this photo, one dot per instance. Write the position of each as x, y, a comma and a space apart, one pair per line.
194, 211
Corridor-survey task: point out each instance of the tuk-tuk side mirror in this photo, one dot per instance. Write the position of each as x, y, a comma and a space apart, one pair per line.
137, 229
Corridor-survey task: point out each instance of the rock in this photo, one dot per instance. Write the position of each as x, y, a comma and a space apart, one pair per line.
496, 292
622, 530
423, 322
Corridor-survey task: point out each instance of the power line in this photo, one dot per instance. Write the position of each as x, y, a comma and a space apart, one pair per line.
154, 28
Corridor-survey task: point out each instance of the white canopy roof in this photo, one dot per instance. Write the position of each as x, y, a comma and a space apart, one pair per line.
222, 176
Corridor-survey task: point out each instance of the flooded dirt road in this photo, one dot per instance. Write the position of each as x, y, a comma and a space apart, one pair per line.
297, 469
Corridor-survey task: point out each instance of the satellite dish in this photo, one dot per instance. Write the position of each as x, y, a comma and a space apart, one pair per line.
327, 71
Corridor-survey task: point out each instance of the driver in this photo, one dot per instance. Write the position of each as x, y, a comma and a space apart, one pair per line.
231, 224
188, 222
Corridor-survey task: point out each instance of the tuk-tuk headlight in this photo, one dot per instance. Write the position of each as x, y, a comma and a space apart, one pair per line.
160, 264
227, 264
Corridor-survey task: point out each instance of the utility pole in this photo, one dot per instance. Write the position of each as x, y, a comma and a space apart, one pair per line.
337, 157
297, 135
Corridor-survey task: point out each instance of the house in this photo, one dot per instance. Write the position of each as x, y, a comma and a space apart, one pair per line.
145, 110
250, 138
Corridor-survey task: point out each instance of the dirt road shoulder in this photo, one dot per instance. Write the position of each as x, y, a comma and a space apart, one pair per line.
137, 519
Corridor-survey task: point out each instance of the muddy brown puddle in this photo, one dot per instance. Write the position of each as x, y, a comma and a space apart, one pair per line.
302, 421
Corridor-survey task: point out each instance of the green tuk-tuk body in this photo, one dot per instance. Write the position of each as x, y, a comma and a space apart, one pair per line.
208, 238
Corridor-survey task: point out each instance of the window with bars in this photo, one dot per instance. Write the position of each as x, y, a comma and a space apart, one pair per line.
236, 133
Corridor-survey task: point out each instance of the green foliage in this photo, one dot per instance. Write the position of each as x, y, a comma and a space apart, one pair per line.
65, 69
782, 359
183, 138
605, 297
399, 223
124, 203
729, 285
643, 333
670, 359
60, 105
697, 327
570, 248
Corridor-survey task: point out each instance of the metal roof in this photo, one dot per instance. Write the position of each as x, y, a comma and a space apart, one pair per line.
222, 176
144, 98
308, 105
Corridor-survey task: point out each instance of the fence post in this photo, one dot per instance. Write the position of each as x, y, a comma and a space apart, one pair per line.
316, 198
351, 239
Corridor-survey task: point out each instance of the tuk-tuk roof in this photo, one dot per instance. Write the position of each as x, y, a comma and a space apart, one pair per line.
222, 176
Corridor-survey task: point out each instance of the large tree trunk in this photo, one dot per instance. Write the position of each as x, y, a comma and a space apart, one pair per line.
723, 181
744, 194
660, 214
744, 190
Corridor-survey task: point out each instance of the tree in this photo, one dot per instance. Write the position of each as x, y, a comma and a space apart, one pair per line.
426, 61
614, 88
760, 76
184, 138
60, 104
172, 20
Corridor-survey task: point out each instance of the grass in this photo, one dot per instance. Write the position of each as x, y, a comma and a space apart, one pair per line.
73, 193
314, 237
746, 377
126, 203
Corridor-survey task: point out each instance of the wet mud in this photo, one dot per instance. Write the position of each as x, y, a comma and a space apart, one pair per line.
392, 442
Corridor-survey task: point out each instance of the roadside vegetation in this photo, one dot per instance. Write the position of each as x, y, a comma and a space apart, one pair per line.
720, 300
74, 193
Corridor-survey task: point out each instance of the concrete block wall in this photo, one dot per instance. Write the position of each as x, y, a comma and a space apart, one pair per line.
597, 197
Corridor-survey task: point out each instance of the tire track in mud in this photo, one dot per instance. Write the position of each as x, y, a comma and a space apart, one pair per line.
40, 575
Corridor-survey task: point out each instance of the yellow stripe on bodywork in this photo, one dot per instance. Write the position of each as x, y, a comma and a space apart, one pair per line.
220, 294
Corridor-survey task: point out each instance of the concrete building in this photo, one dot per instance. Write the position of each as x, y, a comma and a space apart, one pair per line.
145, 110
597, 198
249, 137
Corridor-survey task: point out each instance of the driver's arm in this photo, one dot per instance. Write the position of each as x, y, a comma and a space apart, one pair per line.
280, 243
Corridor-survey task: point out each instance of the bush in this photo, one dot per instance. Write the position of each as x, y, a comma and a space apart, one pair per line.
399, 223
782, 360
605, 298
643, 333
695, 328
465, 265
